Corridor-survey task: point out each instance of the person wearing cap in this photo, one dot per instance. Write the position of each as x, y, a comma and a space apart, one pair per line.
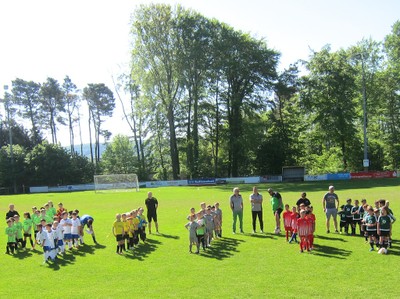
303, 200
11, 213
277, 208
236, 203
330, 203
256, 201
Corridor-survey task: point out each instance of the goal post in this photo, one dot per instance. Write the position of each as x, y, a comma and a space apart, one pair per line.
116, 182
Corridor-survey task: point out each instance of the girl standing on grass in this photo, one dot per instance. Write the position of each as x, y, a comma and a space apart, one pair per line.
11, 233
118, 232
384, 227
218, 220
192, 226
370, 223
27, 227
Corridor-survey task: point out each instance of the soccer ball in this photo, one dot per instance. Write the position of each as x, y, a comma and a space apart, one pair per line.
382, 251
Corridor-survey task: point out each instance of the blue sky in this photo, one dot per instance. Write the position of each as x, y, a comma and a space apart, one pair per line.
89, 40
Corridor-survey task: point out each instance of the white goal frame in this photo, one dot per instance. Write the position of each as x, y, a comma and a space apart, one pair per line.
116, 182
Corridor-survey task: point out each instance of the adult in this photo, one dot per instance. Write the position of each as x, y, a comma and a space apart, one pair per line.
151, 205
236, 203
12, 212
330, 202
303, 200
256, 201
87, 220
277, 208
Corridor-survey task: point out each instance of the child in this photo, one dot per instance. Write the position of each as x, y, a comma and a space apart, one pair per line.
357, 212
384, 227
52, 210
310, 216
48, 244
18, 226
192, 226
209, 219
38, 236
66, 225
118, 232
126, 232
60, 210
142, 224
304, 231
36, 221
11, 233
201, 229
59, 237
135, 228
293, 224
349, 217
218, 221
343, 219
287, 222
46, 216
192, 212
27, 228
75, 229
88, 220
370, 222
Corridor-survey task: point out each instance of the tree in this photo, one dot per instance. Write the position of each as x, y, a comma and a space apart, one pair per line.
248, 70
329, 96
13, 169
155, 64
26, 94
52, 105
119, 156
71, 99
101, 104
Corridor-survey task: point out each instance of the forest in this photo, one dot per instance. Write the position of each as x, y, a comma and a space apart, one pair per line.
203, 99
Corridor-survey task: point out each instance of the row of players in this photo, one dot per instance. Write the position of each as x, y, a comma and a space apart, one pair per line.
51, 234
128, 228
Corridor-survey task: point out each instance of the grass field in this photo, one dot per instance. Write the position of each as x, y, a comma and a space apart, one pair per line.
237, 266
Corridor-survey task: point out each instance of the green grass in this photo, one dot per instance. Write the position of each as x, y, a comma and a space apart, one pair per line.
237, 266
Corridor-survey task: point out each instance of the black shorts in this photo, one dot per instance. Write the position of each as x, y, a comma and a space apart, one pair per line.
371, 233
279, 211
151, 216
119, 238
384, 233
126, 236
27, 235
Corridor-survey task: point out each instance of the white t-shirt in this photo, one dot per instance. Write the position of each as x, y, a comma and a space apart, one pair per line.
75, 226
48, 239
65, 224
58, 234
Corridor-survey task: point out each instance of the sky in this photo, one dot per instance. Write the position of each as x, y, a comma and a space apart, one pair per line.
90, 42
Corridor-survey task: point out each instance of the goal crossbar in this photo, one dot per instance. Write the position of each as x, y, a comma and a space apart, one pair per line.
116, 182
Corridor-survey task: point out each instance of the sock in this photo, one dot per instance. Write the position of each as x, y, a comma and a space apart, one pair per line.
123, 247
371, 244
94, 239
81, 239
287, 234
117, 248
8, 249
31, 242
190, 247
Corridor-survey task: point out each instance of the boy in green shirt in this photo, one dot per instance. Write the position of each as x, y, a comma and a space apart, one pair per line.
11, 233
18, 228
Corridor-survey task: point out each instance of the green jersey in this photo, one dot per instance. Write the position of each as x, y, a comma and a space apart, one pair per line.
370, 221
274, 203
18, 228
11, 233
27, 226
384, 223
51, 212
36, 221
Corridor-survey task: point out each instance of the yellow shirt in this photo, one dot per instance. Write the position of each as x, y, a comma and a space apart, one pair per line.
126, 226
118, 227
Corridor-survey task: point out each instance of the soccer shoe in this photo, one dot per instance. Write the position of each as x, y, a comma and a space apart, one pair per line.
371, 249
241, 231
336, 231
328, 231
261, 231
301, 251
253, 232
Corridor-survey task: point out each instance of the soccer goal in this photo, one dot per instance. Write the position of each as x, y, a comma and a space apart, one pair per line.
116, 182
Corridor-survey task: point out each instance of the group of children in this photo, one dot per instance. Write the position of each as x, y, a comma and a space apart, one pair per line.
53, 230
375, 223
128, 228
204, 226
300, 221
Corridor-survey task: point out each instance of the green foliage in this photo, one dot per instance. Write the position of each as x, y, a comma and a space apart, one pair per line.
119, 156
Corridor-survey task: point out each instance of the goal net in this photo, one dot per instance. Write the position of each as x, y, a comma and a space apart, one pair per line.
116, 182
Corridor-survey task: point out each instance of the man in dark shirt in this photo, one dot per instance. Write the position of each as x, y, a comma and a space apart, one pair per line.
11, 212
152, 205
303, 200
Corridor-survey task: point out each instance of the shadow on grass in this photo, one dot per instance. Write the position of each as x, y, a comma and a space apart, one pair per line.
222, 248
141, 252
261, 236
395, 249
22, 254
167, 236
331, 252
330, 238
